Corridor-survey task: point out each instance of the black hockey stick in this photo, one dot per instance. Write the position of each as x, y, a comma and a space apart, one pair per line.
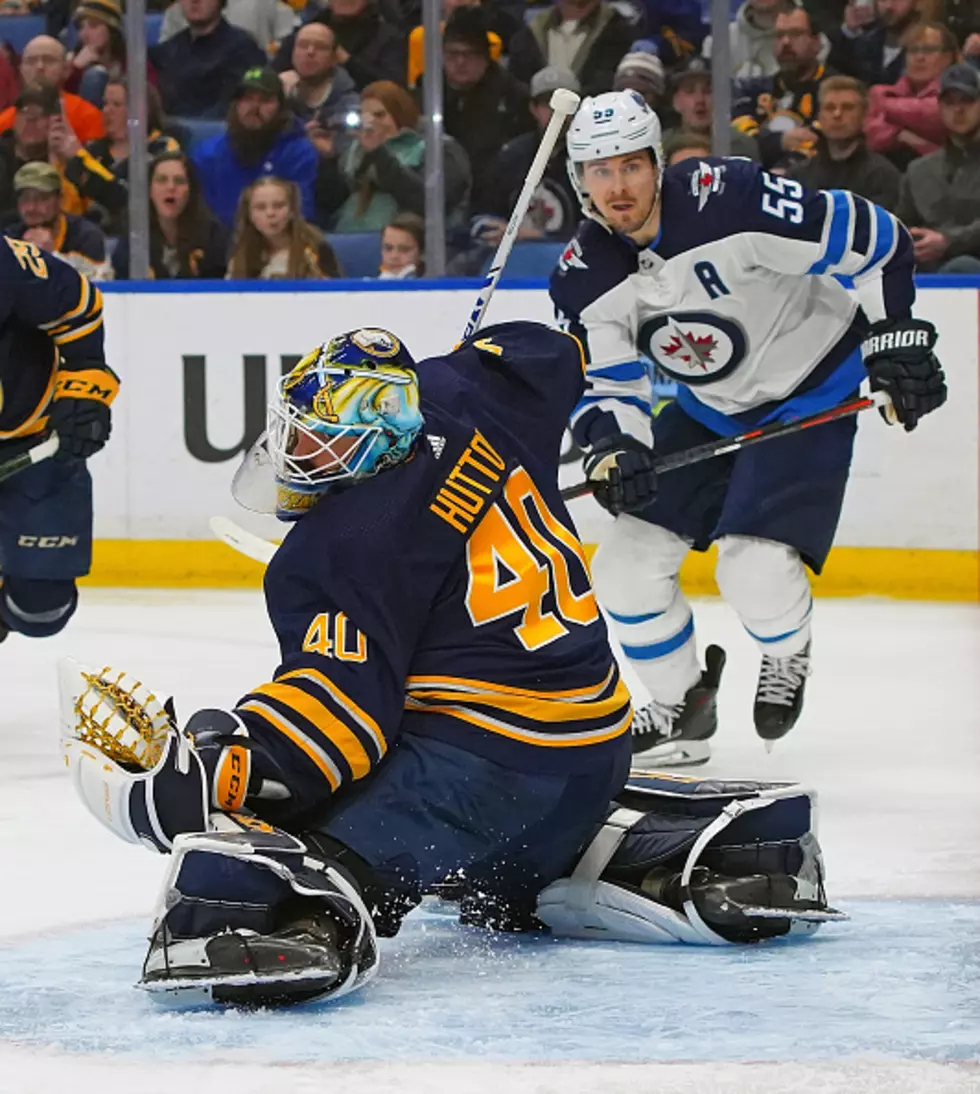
724, 445
27, 459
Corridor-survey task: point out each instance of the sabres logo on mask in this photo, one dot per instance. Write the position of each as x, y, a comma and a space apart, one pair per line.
349, 409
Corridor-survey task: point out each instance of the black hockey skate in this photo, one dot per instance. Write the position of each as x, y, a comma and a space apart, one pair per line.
779, 696
240, 967
677, 736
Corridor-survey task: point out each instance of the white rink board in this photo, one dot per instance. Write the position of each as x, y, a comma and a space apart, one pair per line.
906, 491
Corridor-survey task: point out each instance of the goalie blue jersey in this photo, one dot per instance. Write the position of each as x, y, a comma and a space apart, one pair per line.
50, 318
736, 300
448, 596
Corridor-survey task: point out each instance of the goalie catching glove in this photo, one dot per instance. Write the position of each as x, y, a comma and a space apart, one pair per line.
624, 473
140, 776
899, 359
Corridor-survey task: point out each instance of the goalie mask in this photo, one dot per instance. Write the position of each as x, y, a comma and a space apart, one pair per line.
348, 410
612, 124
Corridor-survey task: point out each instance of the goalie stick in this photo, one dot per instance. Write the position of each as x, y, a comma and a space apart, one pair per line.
563, 103
244, 542
27, 459
725, 445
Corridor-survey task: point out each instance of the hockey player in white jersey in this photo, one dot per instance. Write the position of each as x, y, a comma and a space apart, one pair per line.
724, 276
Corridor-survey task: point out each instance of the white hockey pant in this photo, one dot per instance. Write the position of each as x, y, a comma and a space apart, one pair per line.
636, 572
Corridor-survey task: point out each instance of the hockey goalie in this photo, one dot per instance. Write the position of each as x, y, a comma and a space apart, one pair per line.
447, 713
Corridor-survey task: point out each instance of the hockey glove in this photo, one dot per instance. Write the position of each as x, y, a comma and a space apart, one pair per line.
899, 359
80, 413
622, 468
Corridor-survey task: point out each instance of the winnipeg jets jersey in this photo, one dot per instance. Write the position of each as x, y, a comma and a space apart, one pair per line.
736, 299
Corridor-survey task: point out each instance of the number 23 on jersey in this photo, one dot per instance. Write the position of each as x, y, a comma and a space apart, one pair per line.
518, 555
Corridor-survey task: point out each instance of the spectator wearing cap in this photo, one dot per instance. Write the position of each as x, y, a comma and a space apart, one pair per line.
553, 212
416, 40
586, 37
642, 72
42, 64
101, 55
41, 221
369, 46
843, 160
200, 68
685, 144
904, 119
267, 21
779, 110
484, 105
99, 170
264, 137
753, 38
319, 91
869, 45
692, 104
381, 174
940, 197
37, 115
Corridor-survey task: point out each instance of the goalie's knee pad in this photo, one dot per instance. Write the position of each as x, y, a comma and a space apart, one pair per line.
36, 608
709, 862
249, 917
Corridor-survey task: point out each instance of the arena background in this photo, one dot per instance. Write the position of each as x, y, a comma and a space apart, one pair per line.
198, 363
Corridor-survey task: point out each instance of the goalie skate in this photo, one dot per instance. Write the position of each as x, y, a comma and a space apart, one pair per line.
677, 736
244, 968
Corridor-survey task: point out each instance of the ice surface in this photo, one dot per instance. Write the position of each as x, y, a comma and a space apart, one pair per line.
890, 738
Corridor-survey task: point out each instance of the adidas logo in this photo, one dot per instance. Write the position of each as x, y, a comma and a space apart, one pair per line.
437, 444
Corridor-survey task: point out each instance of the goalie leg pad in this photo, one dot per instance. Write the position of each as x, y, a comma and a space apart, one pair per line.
707, 863
248, 917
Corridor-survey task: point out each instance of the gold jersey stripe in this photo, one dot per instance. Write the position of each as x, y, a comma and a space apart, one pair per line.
327, 767
325, 721
481, 687
363, 719
547, 740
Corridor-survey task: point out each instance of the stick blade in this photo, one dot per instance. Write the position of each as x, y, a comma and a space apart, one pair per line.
245, 543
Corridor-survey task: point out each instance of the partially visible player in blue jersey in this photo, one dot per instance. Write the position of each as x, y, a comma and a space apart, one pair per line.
723, 276
53, 378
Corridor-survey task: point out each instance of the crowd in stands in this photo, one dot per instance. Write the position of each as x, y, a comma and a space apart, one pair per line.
274, 126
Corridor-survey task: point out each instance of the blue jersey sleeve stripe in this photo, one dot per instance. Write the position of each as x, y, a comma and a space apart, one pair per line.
626, 370
862, 226
839, 235
630, 400
885, 237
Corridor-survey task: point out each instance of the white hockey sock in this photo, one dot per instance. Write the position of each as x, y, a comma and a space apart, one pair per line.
766, 583
635, 573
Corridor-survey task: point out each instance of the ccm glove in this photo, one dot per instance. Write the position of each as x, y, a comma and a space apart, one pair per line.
623, 469
899, 359
80, 413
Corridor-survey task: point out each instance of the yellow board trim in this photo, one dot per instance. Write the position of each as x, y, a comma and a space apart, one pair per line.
906, 574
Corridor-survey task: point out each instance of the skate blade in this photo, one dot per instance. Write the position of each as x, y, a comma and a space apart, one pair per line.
828, 915
677, 753
195, 991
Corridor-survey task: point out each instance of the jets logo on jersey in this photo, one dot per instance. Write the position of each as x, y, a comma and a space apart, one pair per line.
571, 257
693, 347
705, 181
